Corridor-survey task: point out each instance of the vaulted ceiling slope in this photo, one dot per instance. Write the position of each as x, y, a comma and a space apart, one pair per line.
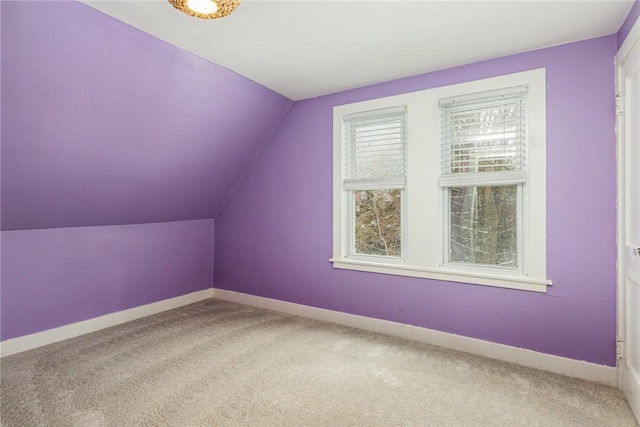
104, 124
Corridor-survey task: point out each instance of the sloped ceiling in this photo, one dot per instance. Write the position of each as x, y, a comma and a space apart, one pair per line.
104, 124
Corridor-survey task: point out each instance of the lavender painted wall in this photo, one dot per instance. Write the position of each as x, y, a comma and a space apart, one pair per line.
628, 23
103, 124
274, 236
59, 276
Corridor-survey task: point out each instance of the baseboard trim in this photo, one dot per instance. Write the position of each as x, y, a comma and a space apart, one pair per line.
39, 339
547, 362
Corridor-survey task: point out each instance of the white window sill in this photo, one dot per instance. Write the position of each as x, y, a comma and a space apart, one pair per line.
521, 283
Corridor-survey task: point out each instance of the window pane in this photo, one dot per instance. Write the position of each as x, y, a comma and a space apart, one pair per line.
483, 225
377, 222
379, 150
476, 131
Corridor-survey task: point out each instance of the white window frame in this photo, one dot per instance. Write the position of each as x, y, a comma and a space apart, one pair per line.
384, 259
374, 183
479, 268
423, 251
516, 177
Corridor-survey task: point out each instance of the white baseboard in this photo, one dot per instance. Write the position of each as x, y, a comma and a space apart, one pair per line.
28, 342
561, 365
547, 362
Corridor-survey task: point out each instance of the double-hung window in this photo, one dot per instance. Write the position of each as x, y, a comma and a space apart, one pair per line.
483, 172
446, 183
374, 181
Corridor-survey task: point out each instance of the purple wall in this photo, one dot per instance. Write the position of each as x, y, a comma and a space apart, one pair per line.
628, 23
59, 276
103, 124
274, 236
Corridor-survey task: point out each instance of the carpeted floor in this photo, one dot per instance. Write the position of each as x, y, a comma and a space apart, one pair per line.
217, 363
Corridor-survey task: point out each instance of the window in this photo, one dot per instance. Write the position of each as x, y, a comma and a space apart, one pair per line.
447, 183
483, 176
374, 179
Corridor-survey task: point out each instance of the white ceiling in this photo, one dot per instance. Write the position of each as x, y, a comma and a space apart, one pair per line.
304, 48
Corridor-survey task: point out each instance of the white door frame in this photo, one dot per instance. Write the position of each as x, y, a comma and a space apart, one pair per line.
622, 312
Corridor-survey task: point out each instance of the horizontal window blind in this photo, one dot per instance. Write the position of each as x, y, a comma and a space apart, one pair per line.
375, 149
483, 137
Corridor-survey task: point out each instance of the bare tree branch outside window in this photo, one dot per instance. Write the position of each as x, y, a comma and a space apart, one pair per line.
377, 222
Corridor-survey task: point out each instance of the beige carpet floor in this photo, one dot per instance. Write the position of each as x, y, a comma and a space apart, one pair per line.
216, 363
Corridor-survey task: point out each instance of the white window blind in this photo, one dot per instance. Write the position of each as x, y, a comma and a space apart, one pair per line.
483, 138
375, 149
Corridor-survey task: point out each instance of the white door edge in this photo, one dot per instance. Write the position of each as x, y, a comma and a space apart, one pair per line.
628, 377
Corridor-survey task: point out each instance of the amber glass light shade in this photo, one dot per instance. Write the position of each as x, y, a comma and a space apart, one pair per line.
206, 9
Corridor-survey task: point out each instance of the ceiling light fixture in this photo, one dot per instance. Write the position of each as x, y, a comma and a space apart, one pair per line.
206, 9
